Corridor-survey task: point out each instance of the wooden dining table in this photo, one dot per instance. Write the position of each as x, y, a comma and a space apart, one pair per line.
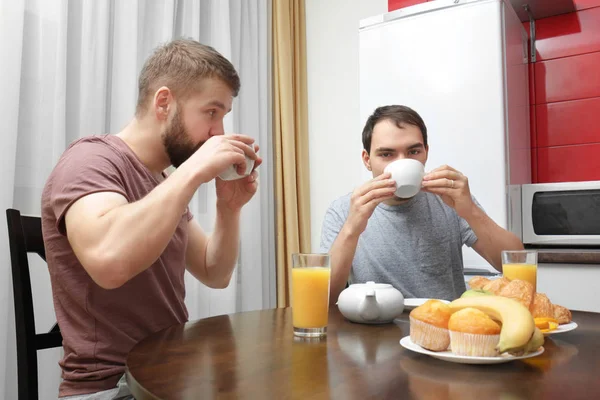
254, 355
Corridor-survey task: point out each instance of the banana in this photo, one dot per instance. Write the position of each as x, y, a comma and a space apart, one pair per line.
517, 323
537, 340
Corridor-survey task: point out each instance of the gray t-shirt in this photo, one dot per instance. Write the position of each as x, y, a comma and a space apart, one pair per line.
415, 246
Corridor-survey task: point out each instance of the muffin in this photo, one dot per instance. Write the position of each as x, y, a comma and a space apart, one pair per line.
473, 333
429, 325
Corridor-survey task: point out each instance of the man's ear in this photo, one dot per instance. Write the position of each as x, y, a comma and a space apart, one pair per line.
366, 159
163, 100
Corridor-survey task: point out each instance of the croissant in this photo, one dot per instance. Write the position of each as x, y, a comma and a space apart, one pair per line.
522, 291
541, 306
478, 282
496, 285
562, 314
538, 303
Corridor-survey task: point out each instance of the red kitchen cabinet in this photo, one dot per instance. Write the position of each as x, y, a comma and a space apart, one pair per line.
569, 163
570, 78
532, 126
568, 34
531, 83
568, 122
583, 4
534, 166
396, 4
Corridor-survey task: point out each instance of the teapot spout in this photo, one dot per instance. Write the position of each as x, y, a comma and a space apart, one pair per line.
369, 307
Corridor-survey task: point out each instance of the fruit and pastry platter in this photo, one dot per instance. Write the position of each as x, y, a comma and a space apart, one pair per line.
550, 318
491, 323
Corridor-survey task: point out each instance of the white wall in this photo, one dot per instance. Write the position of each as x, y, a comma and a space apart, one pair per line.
333, 103
571, 285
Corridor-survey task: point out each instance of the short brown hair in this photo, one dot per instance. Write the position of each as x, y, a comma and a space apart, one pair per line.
181, 65
399, 115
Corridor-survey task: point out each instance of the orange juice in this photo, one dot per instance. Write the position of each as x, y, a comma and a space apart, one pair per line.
524, 272
310, 297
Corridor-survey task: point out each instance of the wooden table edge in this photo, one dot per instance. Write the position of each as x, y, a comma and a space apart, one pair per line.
137, 390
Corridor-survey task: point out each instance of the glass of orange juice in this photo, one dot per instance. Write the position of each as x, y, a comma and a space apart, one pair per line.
520, 264
310, 294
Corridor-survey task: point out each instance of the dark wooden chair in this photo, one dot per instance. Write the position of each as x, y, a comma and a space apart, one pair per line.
25, 236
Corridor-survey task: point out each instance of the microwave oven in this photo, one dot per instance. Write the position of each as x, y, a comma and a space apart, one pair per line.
561, 214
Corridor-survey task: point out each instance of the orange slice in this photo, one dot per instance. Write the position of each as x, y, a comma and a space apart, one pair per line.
544, 323
551, 326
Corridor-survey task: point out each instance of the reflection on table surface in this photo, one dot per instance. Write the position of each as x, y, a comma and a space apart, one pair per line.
255, 355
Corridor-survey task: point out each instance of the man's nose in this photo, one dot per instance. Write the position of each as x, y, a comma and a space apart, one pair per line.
217, 129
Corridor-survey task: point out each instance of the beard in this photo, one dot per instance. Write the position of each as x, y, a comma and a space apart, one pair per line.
178, 145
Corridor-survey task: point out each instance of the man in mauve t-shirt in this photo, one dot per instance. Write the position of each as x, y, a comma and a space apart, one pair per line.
117, 230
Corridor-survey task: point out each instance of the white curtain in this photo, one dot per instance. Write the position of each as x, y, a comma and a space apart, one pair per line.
69, 69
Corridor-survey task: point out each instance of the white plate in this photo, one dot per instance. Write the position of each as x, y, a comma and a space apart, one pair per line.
449, 356
409, 304
563, 328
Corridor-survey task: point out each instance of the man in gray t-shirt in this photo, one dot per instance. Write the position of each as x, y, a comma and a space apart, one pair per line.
414, 244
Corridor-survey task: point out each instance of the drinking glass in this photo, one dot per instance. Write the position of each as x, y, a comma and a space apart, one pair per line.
310, 294
520, 264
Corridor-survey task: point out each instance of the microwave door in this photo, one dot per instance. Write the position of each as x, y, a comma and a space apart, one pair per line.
563, 217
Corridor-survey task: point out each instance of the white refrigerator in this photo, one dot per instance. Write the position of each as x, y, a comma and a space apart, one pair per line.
463, 66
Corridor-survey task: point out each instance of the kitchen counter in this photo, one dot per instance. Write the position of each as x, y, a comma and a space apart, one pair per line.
568, 256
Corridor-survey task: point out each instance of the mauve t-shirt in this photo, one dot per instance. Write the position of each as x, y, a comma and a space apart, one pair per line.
99, 326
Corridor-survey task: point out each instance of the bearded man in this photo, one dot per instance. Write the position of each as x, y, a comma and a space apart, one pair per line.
117, 230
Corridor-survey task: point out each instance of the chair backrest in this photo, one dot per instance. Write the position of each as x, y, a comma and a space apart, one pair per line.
25, 236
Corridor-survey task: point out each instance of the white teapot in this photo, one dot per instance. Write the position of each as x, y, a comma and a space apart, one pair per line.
371, 303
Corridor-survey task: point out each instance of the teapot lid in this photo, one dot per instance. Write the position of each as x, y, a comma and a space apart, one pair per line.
371, 285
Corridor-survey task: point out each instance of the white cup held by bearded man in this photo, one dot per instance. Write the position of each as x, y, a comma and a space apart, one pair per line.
408, 174
230, 174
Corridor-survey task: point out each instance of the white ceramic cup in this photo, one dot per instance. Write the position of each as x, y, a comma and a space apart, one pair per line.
230, 174
408, 174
